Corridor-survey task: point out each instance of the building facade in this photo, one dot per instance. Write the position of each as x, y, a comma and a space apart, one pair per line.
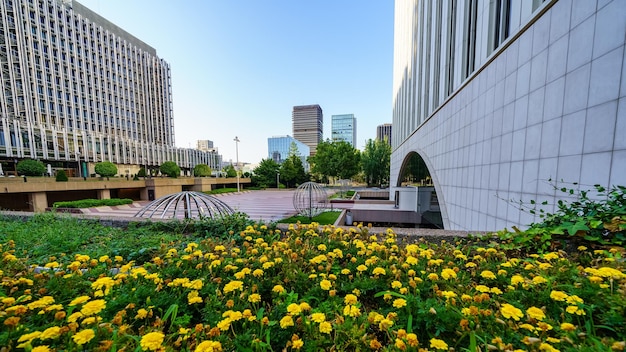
343, 128
204, 145
278, 149
383, 132
308, 125
76, 87
509, 100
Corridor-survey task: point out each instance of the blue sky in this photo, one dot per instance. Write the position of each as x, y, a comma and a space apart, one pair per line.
239, 66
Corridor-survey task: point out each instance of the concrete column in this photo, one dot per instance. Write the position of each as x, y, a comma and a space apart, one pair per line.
104, 194
38, 201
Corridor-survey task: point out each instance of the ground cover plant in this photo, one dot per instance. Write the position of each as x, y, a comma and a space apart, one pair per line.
325, 218
309, 288
90, 203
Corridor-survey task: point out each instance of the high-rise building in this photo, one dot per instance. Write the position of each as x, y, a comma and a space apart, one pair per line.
278, 149
384, 132
76, 87
308, 125
344, 128
204, 145
508, 100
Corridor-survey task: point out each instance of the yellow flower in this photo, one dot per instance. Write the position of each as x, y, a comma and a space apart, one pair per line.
257, 273
470, 265
254, 298
30, 336
43, 348
93, 307
361, 268
508, 311
517, 279
350, 299
305, 307
568, 327
286, 321
193, 297
294, 309
325, 284
232, 286
79, 300
547, 347
537, 280
318, 317
558, 295
141, 313
399, 303
438, 344
50, 333
278, 289
325, 327
385, 324
535, 313
74, 317
297, 344
400, 344
152, 341
224, 324
448, 274
396, 284
574, 299
412, 339
83, 336
575, 310
527, 327
488, 275
352, 311
209, 346
379, 271
433, 277
483, 288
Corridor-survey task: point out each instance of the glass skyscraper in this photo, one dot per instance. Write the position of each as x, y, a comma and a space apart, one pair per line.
344, 128
278, 149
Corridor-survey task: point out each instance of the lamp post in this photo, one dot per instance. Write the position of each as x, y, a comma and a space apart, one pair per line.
277, 179
237, 158
78, 161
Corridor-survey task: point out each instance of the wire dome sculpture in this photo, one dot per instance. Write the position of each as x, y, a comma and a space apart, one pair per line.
185, 205
310, 199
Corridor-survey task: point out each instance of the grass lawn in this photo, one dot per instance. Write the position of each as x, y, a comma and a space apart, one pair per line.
325, 218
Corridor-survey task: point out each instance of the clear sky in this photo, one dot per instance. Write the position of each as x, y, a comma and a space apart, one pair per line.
239, 66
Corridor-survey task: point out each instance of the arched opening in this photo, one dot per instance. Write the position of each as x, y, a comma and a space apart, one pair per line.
416, 184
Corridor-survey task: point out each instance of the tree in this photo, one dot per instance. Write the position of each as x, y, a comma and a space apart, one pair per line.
264, 175
375, 161
106, 169
202, 170
230, 171
291, 170
170, 169
335, 159
30, 167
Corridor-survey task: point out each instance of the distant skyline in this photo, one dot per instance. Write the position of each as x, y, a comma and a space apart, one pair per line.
239, 67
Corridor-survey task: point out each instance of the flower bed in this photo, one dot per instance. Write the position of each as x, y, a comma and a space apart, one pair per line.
313, 289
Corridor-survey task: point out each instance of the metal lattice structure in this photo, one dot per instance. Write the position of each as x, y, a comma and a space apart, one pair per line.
310, 199
185, 205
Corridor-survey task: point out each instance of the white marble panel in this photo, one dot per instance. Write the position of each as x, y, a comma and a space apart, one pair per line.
541, 34
529, 180
576, 89
525, 47
618, 169
518, 145
546, 174
572, 133
513, 207
600, 128
515, 178
523, 80
535, 106
509, 87
557, 59
580, 44
569, 169
595, 169
610, 19
550, 138
511, 58
553, 101
620, 126
503, 179
623, 87
508, 117
604, 84
539, 64
581, 11
496, 144
533, 142
559, 19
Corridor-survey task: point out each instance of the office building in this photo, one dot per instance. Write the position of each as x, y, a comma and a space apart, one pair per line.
308, 125
279, 147
343, 128
509, 100
76, 87
383, 132
204, 145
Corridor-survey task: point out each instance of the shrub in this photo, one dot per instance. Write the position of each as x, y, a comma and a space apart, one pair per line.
142, 173
90, 203
170, 169
202, 170
106, 169
61, 176
30, 167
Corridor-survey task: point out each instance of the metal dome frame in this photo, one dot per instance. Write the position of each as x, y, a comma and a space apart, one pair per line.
310, 199
185, 205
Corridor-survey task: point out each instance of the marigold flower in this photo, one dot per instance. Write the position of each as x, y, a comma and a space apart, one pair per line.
152, 341
286, 321
433, 277
50, 333
224, 324
547, 347
438, 344
193, 297
537, 280
278, 289
318, 317
535, 313
400, 344
568, 327
209, 346
297, 344
558, 295
79, 300
254, 298
385, 324
508, 311
43, 348
412, 339
232, 286
325, 284
294, 309
399, 303
448, 274
575, 310
352, 311
527, 327
487, 274
375, 345
361, 268
83, 336
325, 327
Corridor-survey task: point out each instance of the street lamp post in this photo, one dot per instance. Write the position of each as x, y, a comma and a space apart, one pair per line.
237, 158
78, 161
277, 179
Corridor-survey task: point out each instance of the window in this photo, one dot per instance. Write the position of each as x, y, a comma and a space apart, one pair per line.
499, 21
469, 42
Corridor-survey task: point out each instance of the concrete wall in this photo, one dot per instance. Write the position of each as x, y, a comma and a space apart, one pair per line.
547, 109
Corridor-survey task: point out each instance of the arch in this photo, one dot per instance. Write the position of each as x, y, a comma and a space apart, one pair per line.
419, 157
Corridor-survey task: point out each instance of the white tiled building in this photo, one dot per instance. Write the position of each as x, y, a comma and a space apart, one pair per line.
506, 99
76, 87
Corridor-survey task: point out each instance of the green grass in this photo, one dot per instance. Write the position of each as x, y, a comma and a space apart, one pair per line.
90, 203
326, 218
